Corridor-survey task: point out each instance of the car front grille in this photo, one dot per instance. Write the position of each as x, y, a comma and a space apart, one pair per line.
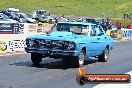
49, 44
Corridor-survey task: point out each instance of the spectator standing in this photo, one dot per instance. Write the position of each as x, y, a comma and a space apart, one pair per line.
129, 26
108, 24
103, 24
118, 24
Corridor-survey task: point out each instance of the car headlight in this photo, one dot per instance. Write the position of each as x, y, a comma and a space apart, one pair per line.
29, 42
71, 45
42, 42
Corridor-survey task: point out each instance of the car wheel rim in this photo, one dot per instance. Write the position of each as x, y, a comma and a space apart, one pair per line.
106, 54
81, 59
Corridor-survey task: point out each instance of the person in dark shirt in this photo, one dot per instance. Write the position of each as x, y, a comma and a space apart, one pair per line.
108, 24
103, 24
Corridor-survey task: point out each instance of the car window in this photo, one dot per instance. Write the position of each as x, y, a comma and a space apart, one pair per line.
98, 30
38, 12
75, 28
47, 14
85, 30
93, 30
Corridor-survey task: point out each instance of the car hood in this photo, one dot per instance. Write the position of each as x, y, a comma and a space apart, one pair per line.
67, 36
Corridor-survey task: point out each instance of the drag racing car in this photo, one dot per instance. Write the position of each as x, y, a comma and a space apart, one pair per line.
73, 42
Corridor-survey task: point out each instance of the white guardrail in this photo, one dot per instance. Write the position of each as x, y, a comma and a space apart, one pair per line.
127, 33
16, 42
12, 42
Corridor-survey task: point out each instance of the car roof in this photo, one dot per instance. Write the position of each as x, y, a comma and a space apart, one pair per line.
81, 23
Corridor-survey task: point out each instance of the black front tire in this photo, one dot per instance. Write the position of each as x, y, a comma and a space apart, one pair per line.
75, 61
66, 62
36, 58
104, 56
79, 61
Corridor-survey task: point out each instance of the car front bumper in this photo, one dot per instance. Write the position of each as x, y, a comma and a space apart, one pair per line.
50, 52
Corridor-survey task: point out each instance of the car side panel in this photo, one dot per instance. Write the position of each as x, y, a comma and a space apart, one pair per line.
89, 44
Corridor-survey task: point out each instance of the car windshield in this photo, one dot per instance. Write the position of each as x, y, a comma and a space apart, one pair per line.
75, 28
42, 12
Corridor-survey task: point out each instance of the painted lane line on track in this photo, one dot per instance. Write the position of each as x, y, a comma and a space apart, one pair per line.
129, 85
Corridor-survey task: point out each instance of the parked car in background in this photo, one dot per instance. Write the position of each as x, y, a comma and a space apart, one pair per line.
9, 10
73, 42
41, 16
26, 18
6, 18
12, 15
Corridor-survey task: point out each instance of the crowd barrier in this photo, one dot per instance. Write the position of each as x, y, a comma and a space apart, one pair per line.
120, 34
12, 43
12, 36
23, 28
127, 33
34, 28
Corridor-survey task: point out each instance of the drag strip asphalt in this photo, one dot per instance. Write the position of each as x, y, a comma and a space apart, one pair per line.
17, 71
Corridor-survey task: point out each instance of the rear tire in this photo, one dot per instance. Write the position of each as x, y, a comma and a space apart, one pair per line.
104, 56
36, 58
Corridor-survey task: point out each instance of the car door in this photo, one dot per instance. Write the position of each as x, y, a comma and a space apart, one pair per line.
101, 38
94, 41
89, 40
98, 39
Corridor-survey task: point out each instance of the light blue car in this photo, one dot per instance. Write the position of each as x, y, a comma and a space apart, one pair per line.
73, 42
